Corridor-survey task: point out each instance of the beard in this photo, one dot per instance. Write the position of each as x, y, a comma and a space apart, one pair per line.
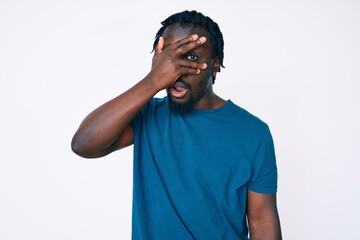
185, 106
180, 107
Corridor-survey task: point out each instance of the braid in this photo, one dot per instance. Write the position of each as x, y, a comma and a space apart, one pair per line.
197, 18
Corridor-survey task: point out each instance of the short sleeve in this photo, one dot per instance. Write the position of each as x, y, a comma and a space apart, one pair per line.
137, 120
264, 170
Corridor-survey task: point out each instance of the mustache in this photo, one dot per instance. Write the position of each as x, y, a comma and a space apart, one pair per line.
186, 84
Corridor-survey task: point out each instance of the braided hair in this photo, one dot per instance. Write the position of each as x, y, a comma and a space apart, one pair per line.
197, 18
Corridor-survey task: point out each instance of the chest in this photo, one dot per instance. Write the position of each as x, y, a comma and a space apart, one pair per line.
218, 151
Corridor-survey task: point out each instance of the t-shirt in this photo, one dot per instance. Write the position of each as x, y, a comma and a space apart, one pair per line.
192, 171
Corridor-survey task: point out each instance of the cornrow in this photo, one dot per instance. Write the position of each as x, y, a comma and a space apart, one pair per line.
197, 18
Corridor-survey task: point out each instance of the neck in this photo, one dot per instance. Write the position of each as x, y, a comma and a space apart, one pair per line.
211, 101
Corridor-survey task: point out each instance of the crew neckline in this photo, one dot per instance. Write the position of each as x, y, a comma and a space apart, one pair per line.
205, 111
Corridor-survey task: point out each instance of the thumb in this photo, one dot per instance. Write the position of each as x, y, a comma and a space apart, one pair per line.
160, 45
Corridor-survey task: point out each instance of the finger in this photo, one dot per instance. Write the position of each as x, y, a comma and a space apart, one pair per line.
183, 49
192, 64
160, 45
185, 40
189, 71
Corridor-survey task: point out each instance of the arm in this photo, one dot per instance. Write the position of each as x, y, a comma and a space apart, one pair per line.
263, 218
107, 128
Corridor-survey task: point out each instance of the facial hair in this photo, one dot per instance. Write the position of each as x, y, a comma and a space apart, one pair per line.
187, 106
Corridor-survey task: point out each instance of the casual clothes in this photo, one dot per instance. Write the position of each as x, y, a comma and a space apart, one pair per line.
192, 171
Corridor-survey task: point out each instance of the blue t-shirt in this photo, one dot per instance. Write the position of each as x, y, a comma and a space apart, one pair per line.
192, 171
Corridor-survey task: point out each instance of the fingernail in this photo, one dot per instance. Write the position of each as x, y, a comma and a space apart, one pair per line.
202, 39
194, 37
204, 65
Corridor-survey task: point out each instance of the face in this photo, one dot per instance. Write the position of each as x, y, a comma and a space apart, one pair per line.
192, 91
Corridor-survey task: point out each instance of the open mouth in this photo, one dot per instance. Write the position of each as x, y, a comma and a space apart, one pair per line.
178, 90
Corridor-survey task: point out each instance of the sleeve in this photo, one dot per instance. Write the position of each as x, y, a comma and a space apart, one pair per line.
264, 170
135, 123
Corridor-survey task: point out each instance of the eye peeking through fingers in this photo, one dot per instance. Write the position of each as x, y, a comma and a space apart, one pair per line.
191, 57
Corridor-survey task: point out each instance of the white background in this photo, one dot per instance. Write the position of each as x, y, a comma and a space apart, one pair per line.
295, 64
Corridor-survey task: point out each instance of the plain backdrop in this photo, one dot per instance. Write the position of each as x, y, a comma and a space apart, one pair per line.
294, 64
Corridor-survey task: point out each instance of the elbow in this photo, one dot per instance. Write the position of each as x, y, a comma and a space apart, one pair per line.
79, 148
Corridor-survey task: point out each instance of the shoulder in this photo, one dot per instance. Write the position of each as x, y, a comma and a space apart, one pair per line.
153, 105
157, 102
243, 117
148, 112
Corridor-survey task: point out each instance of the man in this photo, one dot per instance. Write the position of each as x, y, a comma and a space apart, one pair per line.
204, 168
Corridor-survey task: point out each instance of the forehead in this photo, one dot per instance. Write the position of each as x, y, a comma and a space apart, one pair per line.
177, 31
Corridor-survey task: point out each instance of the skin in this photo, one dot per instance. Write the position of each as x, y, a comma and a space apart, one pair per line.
201, 84
263, 217
182, 52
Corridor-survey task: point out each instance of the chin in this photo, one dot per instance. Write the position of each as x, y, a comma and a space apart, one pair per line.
179, 106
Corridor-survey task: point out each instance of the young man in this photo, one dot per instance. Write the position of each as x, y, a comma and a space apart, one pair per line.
204, 168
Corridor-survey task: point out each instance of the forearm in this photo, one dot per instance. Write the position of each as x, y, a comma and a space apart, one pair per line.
107, 127
102, 127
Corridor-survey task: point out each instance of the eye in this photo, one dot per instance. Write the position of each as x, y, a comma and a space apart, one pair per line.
191, 57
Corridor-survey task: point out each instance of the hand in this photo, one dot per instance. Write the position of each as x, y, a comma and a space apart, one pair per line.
168, 64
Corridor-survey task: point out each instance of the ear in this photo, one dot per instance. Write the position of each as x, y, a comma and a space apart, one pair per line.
215, 68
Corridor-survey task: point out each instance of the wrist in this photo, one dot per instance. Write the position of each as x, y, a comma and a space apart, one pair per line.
152, 82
